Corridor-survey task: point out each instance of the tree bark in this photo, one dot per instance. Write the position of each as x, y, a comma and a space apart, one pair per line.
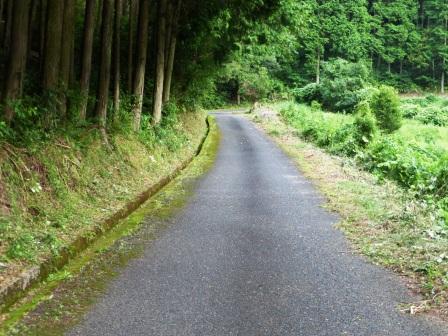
133, 13
442, 80
52, 58
140, 67
117, 47
318, 68
17, 55
2, 5
68, 32
32, 21
86, 59
171, 51
42, 28
8, 24
160, 63
105, 64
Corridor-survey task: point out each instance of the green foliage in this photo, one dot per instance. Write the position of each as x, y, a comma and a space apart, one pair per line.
61, 187
365, 123
342, 82
430, 110
434, 116
386, 106
315, 105
23, 247
328, 130
420, 167
308, 93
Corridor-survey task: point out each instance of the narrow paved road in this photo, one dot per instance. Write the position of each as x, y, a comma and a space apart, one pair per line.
253, 253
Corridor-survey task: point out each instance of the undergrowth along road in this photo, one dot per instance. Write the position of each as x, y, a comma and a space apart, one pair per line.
381, 219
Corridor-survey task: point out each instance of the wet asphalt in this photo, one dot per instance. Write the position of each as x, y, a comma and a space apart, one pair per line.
253, 253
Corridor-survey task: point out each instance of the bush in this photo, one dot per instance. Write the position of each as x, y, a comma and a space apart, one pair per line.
315, 105
422, 171
365, 123
386, 106
434, 116
308, 93
343, 84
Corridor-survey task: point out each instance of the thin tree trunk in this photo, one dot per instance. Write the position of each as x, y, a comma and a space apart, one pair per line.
171, 52
68, 31
42, 28
117, 31
160, 64
318, 68
133, 14
105, 65
8, 24
238, 95
2, 5
52, 58
32, 19
442, 81
17, 55
86, 60
433, 69
140, 67
168, 27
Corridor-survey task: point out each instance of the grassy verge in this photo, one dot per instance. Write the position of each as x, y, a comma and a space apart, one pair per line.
383, 220
62, 300
56, 190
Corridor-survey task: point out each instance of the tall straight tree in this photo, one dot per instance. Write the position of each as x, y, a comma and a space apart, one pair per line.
17, 55
117, 47
42, 31
2, 6
68, 36
133, 16
86, 58
105, 65
140, 66
160, 62
53, 38
8, 24
171, 48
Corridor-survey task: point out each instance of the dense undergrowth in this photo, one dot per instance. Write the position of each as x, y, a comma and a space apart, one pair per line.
384, 221
413, 157
429, 110
67, 181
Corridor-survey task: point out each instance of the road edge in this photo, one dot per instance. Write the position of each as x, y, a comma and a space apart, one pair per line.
14, 290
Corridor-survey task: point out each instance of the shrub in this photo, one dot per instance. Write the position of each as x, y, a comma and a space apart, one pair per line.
343, 84
315, 105
386, 106
410, 111
434, 116
365, 123
308, 93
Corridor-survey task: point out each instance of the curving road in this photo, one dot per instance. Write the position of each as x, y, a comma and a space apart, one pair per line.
253, 253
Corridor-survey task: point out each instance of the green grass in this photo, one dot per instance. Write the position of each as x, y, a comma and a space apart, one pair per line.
416, 156
55, 190
430, 110
384, 221
424, 135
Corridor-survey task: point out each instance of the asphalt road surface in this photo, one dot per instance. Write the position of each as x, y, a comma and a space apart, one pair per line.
253, 253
